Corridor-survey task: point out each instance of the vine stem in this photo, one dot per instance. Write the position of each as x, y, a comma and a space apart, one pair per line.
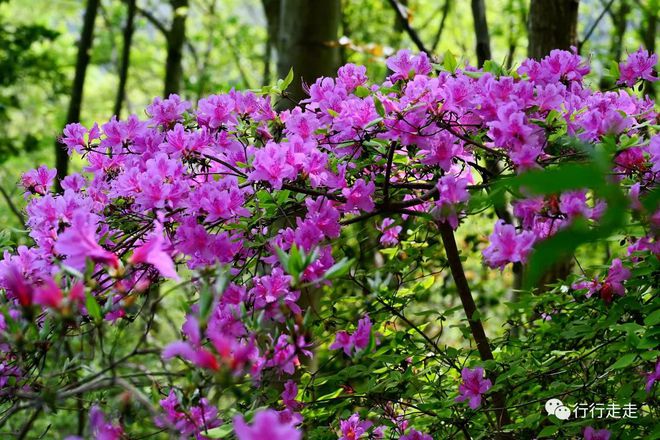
476, 326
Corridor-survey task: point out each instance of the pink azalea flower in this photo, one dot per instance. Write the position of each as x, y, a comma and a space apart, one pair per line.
506, 246
357, 341
100, 428
215, 111
353, 428
289, 396
390, 233
271, 165
362, 334
413, 434
452, 191
152, 252
15, 284
74, 137
167, 111
403, 63
639, 65
48, 294
266, 425
343, 340
38, 181
653, 377
195, 420
592, 434
359, 196
78, 242
616, 275
197, 355
473, 386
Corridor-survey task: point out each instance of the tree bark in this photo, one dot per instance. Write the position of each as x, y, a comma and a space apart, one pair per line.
552, 25
620, 21
481, 32
129, 27
307, 43
650, 36
476, 327
82, 61
176, 38
272, 13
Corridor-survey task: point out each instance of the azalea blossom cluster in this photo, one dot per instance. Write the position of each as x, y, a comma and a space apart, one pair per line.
232, 183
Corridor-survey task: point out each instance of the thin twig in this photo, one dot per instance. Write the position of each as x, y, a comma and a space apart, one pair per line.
402, 13
595, 24
12, 206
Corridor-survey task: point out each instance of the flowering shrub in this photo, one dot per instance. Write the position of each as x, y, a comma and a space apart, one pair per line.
211, 272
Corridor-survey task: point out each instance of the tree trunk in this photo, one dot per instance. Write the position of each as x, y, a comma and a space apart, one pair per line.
82, 61
176, 37
620, 21
481, 31
307, 43
125, 55
476, 326
272, 13
650, 36
552, 25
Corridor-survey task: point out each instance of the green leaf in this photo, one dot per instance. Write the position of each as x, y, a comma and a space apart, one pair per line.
449, 62
339, 269
283, 257
219, 432
493, 67
549, 431
555, 180
287, 79
623, 361
651, 200
380, 109
92, 306
362, 92
653, 319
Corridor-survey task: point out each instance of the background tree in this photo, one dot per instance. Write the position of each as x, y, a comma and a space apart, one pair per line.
176, 38
307, 42
129, 27
82, 61
552, 25
481, 32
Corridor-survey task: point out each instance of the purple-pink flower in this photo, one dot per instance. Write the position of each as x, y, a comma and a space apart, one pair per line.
353, 428
639, 65
652, 377
413, 434
38, 181
102, 429
390, 232
266, 425
359, 196
152, 252
194, 420
596, 434
473, 386
507, 246
405, 63
355, 342
78, 242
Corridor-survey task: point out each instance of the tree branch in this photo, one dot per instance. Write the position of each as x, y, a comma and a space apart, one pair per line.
402, 13
12, 206
595, 25
476, 327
